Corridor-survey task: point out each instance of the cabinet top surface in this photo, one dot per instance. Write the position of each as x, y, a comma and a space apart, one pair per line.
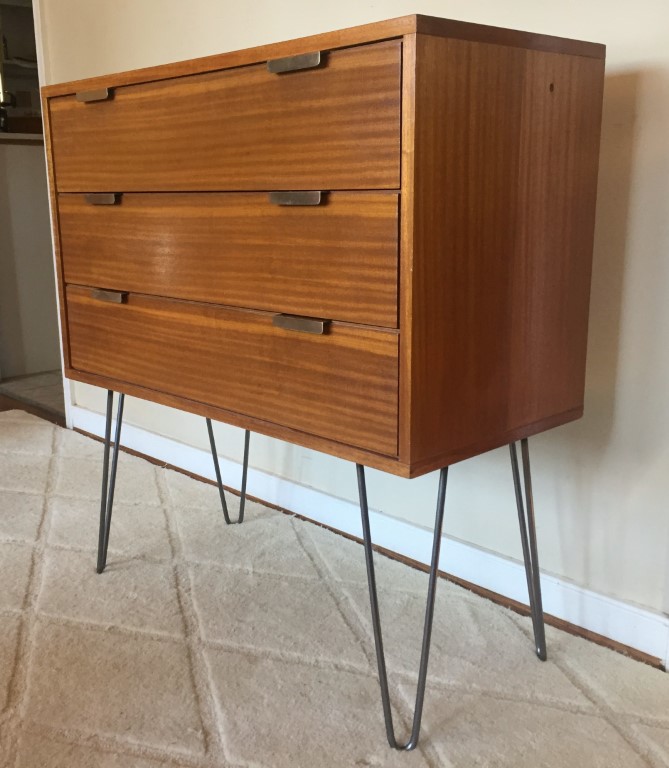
381, 30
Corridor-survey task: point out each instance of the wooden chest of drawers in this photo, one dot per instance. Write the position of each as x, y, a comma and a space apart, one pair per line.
424, 189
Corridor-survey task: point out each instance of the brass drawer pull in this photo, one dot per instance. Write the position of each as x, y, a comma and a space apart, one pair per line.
99, 94
113, 297
296, 198
294, 63
299, 323
103, 198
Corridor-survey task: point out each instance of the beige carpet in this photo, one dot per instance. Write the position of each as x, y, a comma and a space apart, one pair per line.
206, 645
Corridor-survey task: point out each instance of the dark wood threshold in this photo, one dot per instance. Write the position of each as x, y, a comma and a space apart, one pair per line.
8, 403
520, 608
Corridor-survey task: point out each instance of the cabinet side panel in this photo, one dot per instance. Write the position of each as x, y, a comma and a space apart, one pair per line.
506, 152
552, 258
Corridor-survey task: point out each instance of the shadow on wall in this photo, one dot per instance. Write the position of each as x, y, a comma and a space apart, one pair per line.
611, 235
581, 449
615, 458
585, 449
572, 471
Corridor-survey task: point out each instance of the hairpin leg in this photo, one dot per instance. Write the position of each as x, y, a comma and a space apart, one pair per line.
529, 543
109, 479
217, 469
429, 612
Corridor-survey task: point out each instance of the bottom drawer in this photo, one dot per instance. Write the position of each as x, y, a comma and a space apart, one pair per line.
342, 385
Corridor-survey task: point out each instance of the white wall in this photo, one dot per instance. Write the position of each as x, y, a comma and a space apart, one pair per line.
601, 485
28, 316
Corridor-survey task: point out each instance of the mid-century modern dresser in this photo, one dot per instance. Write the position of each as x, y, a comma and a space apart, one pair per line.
375, 242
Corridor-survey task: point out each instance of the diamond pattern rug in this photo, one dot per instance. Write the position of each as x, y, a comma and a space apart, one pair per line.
205, 646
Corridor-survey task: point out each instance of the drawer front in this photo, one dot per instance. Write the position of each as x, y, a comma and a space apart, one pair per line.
336, 260
341, 385
333, 127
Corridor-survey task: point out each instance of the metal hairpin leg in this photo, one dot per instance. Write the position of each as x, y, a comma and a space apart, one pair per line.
109, 479
529, 543
429, 612
217, 469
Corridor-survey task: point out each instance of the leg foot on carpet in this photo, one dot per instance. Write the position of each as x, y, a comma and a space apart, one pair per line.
109, 478
529, 543
429, 613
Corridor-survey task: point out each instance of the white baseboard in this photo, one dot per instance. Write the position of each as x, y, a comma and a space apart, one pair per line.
631, 625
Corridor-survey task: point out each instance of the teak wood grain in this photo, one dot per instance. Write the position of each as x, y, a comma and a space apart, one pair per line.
55, 229
341, 385
498, 258
239, 129
337, 260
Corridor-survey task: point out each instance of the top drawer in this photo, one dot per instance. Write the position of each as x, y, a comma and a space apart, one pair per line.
336, 126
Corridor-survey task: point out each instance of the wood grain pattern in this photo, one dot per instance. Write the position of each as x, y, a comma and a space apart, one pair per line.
554, 222
55, 233
341, 385
337, 260
497, 163
365, 33
239, 129
269, 428
502, 207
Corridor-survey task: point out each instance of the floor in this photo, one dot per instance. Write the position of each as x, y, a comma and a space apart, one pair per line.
42, 390
211, 646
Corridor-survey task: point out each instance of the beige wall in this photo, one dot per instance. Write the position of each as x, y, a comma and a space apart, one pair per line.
601, 485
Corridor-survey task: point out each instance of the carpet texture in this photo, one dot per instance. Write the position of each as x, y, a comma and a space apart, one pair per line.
209, 646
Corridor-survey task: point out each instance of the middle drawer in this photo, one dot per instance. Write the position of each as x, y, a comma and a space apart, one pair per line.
336, 260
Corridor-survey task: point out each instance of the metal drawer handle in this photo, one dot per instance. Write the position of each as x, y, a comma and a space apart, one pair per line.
113, 297
299, 323
314, 197
99, 94
103, 198
293, 63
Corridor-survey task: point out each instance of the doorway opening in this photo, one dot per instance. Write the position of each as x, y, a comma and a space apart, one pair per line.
30, 362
